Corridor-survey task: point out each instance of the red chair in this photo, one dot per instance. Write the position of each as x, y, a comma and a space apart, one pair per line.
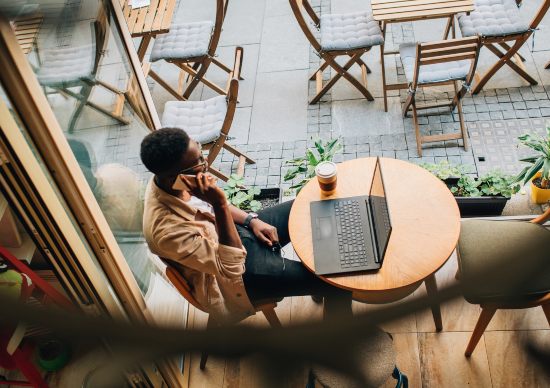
16, 351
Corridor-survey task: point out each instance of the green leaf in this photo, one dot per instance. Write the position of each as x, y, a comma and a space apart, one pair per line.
319, 147
255, 205
533, 170
311, 159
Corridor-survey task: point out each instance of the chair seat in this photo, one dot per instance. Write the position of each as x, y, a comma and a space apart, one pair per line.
492, 18
66, 66
376, 356
504, 252
349, 31
439, 72
202, 120
184, 41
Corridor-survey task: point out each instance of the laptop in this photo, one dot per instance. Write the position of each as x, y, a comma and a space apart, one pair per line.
351, 234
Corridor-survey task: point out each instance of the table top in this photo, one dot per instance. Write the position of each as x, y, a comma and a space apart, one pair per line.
409, 10
424, 215
26, 31
151, 20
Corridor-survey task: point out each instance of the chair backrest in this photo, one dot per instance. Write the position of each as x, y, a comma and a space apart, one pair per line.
540, 14
299, 7
233, 91
181, 284
451, 50
221, 10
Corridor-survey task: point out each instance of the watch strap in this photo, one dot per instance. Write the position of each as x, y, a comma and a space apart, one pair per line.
249, 219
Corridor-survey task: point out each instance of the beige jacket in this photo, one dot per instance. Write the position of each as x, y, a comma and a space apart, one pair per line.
187, 237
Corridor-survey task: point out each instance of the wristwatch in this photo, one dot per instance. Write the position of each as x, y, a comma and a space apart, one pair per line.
249, 219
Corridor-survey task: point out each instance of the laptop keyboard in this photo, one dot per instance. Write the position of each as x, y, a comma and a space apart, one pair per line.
351, 239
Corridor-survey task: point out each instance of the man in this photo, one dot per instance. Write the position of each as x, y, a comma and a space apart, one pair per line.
230, 258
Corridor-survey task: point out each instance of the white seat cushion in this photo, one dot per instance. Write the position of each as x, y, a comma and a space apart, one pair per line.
349, 31
186, 40
492, 18
202, 120
66, 65
447, 71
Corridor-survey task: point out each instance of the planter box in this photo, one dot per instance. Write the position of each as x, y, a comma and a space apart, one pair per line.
481, 206
269, 197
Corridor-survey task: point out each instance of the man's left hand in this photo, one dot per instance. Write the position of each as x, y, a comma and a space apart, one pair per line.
264, 232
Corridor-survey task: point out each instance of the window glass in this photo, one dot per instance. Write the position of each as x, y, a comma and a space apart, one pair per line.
83, 67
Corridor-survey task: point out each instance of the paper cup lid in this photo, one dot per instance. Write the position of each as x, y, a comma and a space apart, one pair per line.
325, 169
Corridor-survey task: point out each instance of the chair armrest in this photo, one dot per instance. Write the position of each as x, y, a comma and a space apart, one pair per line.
542, 218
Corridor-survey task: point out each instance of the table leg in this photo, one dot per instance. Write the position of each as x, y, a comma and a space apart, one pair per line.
142, 49
382, 63
431, 288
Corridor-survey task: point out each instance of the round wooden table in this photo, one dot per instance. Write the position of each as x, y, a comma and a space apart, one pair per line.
425, 221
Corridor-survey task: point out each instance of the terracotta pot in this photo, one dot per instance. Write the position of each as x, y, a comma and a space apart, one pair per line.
539, 195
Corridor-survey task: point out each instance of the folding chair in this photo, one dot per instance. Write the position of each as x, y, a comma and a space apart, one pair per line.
181, 284
192, 48
209, 121
498, 22
351, 34
67, 67
439, 63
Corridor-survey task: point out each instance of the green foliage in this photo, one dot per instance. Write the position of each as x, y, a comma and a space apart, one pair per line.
491, 184
540, 162
321, 152
240, 196
444, 170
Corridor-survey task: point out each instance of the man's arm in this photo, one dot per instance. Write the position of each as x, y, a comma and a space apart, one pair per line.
238, 215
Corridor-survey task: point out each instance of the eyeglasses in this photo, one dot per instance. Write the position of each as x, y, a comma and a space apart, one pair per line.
202, 162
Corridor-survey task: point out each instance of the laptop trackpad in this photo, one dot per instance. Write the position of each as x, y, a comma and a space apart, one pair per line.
325, 228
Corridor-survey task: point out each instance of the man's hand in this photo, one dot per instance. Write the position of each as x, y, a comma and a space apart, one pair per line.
208, 191
264, 232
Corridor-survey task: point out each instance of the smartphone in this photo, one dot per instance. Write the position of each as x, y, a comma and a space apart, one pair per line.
185, 182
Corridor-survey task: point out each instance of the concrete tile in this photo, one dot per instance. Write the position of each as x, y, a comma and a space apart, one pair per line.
241, 126
362, 117
279, 112
284, 46
243, 23
226, 54
278, 8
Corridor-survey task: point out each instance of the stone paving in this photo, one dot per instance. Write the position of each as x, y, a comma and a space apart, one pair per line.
274, 122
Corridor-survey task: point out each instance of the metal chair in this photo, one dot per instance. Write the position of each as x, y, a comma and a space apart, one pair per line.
439, 63
181, 284
209, 121
498, 22
192, 48
504, 265
351, 34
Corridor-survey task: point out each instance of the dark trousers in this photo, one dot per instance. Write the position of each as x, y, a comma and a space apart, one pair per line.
269, 275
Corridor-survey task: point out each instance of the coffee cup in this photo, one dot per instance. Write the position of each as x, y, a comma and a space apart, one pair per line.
326, 176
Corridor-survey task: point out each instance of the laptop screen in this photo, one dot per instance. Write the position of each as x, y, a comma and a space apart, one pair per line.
380, 213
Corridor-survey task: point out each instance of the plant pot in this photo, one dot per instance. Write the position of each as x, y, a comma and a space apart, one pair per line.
451, 181
269, 197
481, 206
539, 195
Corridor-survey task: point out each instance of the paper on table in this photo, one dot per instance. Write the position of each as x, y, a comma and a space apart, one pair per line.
139, 3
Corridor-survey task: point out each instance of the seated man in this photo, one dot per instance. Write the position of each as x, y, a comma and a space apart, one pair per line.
229, 257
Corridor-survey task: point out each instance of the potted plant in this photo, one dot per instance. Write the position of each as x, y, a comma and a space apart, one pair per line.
321, 152
249, 199
539, 170
483, 196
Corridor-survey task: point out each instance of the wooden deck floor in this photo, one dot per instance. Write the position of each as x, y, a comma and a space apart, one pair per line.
428, 358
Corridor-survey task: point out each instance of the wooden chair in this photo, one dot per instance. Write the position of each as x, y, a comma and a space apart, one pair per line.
181, 284
209, 121
499, 23
504, 265
16, 352
192, 48
439, 63
63, 68
351, 34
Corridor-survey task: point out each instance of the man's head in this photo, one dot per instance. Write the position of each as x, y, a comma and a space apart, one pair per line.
169, 152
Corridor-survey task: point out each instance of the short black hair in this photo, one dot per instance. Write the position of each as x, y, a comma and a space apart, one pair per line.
161, 150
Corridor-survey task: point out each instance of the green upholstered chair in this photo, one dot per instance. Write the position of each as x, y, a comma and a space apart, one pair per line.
504, 265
